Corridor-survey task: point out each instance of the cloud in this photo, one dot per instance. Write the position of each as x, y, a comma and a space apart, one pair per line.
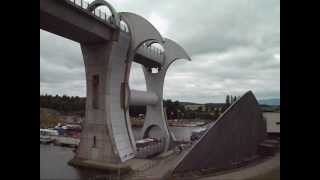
159, 22
234, 46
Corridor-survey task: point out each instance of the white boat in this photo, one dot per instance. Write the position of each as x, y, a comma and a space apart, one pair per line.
67, 141
46, 140
48, 135
48, 132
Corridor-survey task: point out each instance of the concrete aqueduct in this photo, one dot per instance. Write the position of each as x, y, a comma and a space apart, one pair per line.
109, 46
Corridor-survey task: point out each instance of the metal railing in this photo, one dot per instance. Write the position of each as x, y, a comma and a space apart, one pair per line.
98, 13
152, 51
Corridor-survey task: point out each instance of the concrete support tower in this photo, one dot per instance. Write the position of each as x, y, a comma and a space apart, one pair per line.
155, 121
107, 135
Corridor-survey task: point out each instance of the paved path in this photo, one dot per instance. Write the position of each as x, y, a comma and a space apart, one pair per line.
161, 168
250, 172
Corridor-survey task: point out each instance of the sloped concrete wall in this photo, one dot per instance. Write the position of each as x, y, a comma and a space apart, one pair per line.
233, 137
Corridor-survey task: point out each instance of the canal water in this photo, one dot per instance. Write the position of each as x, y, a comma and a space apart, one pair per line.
54, 159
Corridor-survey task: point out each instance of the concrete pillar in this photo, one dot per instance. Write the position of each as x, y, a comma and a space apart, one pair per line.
106, 121
155, 117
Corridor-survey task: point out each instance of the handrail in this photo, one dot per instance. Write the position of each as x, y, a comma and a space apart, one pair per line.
151, 50
98, 14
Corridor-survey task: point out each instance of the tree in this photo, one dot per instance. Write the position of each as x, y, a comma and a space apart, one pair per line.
64, 104
228, 100
217, 112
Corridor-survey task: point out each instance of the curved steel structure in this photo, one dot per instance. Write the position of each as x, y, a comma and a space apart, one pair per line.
155, 114
97, 3
141, 31
108, 54
108, 68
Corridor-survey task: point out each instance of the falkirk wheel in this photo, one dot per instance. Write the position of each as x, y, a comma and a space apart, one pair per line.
107, 135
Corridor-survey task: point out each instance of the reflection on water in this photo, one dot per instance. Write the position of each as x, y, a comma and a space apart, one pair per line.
54, 159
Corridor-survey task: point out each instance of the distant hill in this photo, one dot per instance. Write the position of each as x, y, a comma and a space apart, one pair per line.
270, 102
188, 103
215, 105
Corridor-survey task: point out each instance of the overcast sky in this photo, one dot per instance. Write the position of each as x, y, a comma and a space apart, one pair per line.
234, 46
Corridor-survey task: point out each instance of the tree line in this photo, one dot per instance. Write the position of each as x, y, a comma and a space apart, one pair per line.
74, 104
173, 109
64, 104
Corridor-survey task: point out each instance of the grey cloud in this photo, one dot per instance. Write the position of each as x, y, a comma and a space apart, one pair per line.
53, 73
233, 44
60, 51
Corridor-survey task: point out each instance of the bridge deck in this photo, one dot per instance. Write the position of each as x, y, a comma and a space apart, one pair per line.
72, 21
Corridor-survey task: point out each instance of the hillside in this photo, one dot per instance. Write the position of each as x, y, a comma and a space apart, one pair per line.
270, 102
48, 117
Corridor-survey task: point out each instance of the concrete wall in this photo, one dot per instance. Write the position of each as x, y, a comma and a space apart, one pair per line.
233, 137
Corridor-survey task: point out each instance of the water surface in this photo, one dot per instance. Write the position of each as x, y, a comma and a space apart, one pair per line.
54, 159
